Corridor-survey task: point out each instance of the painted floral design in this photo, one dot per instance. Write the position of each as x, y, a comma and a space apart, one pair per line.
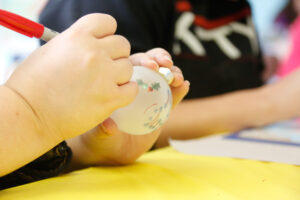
153, 87
157, 119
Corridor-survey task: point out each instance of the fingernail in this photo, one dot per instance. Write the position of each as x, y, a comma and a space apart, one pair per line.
104, 129
156, 66
168, 59
188, 83
151, 64
106, 126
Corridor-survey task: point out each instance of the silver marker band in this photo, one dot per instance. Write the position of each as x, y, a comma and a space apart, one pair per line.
48, 34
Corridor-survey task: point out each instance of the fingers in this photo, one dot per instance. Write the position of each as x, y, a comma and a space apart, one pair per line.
125, 70
161, 56
106, 129
158, 57
153, 59
99, 25
109, 127
180, 92
116, 46
179, 87
103, 27
178, 77
127, 93
142, 59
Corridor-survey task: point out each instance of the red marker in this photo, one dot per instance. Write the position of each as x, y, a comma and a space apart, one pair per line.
25, 26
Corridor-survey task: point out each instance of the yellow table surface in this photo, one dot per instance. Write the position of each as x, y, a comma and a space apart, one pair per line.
167, 174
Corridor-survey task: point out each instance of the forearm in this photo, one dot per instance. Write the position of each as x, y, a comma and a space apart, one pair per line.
201, 117
233, 111
21, 136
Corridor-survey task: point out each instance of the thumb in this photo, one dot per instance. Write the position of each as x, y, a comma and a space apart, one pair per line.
109, 127
180, 92
127, 93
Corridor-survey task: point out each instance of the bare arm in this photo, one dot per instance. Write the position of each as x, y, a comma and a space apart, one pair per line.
21, 137
60, 93
234, 111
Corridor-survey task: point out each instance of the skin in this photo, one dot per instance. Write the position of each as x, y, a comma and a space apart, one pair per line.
62, 91
234, 111
105, 144
59, 93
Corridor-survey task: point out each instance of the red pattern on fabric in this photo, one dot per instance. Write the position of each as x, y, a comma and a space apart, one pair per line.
211, 24
183, 6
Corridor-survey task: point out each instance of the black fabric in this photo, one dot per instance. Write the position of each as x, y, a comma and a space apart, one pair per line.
49, 165
155, 23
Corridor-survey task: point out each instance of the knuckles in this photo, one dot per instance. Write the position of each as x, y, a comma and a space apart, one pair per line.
108, 19
99, 19
92, 58
129, 67
122, 42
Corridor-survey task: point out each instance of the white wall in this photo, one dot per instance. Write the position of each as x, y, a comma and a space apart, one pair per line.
14, 45
264, 13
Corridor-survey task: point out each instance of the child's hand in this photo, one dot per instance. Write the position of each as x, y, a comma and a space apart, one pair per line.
159, 57
78, 79
106, 144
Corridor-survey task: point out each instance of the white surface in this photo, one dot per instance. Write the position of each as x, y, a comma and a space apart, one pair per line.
220, 147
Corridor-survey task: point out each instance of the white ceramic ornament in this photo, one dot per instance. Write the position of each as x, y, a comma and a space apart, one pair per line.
152, 106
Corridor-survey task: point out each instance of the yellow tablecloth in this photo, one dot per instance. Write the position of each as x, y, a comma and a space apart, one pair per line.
167, 174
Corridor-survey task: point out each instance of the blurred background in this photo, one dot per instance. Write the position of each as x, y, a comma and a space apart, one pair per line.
15, 47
